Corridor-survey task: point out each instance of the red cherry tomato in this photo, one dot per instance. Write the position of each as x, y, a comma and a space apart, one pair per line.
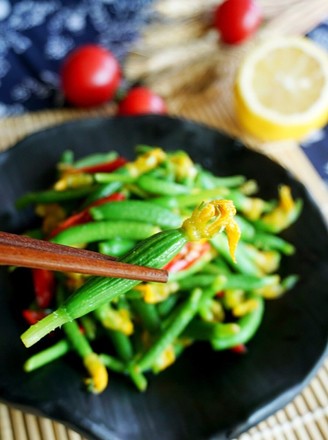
236, 20
141, 100
90, 76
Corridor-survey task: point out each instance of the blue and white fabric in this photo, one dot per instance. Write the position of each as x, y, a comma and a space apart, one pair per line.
316, 146
36, 35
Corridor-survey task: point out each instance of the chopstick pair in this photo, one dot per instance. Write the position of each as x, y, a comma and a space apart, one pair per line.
22, 251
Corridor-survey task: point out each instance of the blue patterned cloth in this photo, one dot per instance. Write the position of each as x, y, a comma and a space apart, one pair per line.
316, 147
36, 35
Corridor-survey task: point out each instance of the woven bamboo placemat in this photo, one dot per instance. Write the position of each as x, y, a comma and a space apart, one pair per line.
199, 87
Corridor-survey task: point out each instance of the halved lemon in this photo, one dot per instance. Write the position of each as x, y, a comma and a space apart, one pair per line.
281, 89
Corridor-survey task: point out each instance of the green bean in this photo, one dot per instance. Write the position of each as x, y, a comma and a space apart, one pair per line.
122, 303
266, 261
289, 282
196, 280
117, 246
113, 177
217, 266
160, 186
199, 330
164, 172
182, 318
107, 188
248, 325
187, 200
249, 282
207, 180
243, 202
135, 191
102, 191
262, 239
104, 230
147, 313
246, 227
112, 363
89, 327
53, 196
122, 344
78, 341
273, 242
98, 379
244, 264
205, 305
212, 310
216, 286
47, 355
67, 158
132, 294
137, 210
94, 159
277, 289
166, 306
138, 378
142, 149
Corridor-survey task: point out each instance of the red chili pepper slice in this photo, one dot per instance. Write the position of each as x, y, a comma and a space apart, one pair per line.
84, 216
33, 316
189, 254
75, 219
239, 349
106, 167
44, 286
116, 197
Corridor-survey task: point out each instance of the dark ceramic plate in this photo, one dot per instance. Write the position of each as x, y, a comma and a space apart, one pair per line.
206, 394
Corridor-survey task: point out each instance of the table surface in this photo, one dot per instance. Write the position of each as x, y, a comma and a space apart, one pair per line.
306, 417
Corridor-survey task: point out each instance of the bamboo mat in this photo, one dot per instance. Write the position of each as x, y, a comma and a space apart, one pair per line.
199, 87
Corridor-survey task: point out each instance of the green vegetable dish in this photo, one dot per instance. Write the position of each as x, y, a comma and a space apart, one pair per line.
219, 242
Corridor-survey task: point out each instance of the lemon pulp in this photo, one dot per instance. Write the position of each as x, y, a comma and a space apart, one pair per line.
281, 89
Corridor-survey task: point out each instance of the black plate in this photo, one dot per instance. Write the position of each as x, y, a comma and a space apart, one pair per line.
205, 394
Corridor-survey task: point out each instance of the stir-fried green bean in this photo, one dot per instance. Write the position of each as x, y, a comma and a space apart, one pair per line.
53, 196
105, 230
181, 319
163, 211
137, 210
47, 355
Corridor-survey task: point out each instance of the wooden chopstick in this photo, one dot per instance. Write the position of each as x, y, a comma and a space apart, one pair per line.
22, 251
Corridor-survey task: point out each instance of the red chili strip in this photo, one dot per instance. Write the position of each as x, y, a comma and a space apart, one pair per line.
189, 254
220, 294
44, 286
116, 197
106, 167
84, 216
239, 349
75, 219
33, 316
